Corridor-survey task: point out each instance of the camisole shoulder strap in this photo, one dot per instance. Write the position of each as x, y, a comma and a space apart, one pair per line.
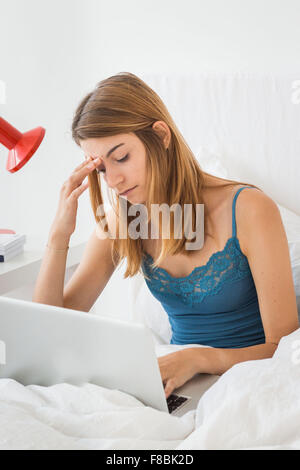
233, 208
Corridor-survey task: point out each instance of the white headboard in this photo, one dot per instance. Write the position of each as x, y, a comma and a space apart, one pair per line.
251, 121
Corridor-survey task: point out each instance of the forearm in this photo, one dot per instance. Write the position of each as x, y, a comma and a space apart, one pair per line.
217, 361
50, 282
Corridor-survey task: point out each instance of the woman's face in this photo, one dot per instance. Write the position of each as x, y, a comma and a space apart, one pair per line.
123, 164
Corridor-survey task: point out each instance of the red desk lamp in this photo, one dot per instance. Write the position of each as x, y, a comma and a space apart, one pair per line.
21, 147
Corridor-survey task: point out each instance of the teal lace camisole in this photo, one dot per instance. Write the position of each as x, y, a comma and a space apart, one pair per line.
216, 304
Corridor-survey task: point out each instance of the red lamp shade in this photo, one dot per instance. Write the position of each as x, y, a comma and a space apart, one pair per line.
21, 146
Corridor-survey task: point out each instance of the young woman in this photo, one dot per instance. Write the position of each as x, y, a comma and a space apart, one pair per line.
235, 294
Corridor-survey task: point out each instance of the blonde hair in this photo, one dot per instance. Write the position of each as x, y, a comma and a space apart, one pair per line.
124, 103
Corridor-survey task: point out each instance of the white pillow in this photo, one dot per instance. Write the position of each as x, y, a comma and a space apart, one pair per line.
291, 222
211, 163
147, 309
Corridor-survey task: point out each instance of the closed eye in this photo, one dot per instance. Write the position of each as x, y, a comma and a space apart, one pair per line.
102, 170
124, 158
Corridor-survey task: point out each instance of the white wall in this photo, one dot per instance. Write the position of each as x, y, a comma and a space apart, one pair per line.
196, 35
45, 67
53, 52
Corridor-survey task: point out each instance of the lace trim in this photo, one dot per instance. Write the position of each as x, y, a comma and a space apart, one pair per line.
227, 265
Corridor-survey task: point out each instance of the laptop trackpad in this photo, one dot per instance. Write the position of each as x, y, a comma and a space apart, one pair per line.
191, 392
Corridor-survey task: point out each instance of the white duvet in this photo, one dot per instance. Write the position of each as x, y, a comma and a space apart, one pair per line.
256, 404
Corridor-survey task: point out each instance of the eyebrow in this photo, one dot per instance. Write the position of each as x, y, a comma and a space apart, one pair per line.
113, 149
110, 152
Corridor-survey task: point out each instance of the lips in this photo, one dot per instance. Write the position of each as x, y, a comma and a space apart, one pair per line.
125, 192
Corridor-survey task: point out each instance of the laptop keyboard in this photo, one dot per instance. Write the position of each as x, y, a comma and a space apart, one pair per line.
174, 401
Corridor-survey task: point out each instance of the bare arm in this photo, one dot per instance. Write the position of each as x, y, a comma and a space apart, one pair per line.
266, 247
87, 282
49, 288
91, 276
263, 240
50, 282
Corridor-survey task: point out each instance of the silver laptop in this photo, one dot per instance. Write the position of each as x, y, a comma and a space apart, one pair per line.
46, 345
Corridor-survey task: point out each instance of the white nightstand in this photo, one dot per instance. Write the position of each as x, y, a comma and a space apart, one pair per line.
24, 268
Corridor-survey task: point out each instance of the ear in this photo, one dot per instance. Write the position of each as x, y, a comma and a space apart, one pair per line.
163, 130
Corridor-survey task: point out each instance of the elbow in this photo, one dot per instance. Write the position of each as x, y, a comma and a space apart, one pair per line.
271, 347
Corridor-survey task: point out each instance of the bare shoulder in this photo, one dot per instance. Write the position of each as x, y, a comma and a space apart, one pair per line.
255, 211
255, 201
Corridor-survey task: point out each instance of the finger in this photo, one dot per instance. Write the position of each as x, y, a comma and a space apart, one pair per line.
83, 164
78, 191
169, 387
90, 165
77, 177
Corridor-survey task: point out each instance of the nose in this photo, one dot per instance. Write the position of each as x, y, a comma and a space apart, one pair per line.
113, 178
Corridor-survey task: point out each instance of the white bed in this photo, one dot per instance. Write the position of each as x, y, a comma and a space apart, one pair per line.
256, 404
245, 128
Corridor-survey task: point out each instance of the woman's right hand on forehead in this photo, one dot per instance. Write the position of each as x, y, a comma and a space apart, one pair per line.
65, 219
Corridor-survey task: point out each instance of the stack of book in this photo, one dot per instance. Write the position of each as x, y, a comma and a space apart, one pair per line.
11, 244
